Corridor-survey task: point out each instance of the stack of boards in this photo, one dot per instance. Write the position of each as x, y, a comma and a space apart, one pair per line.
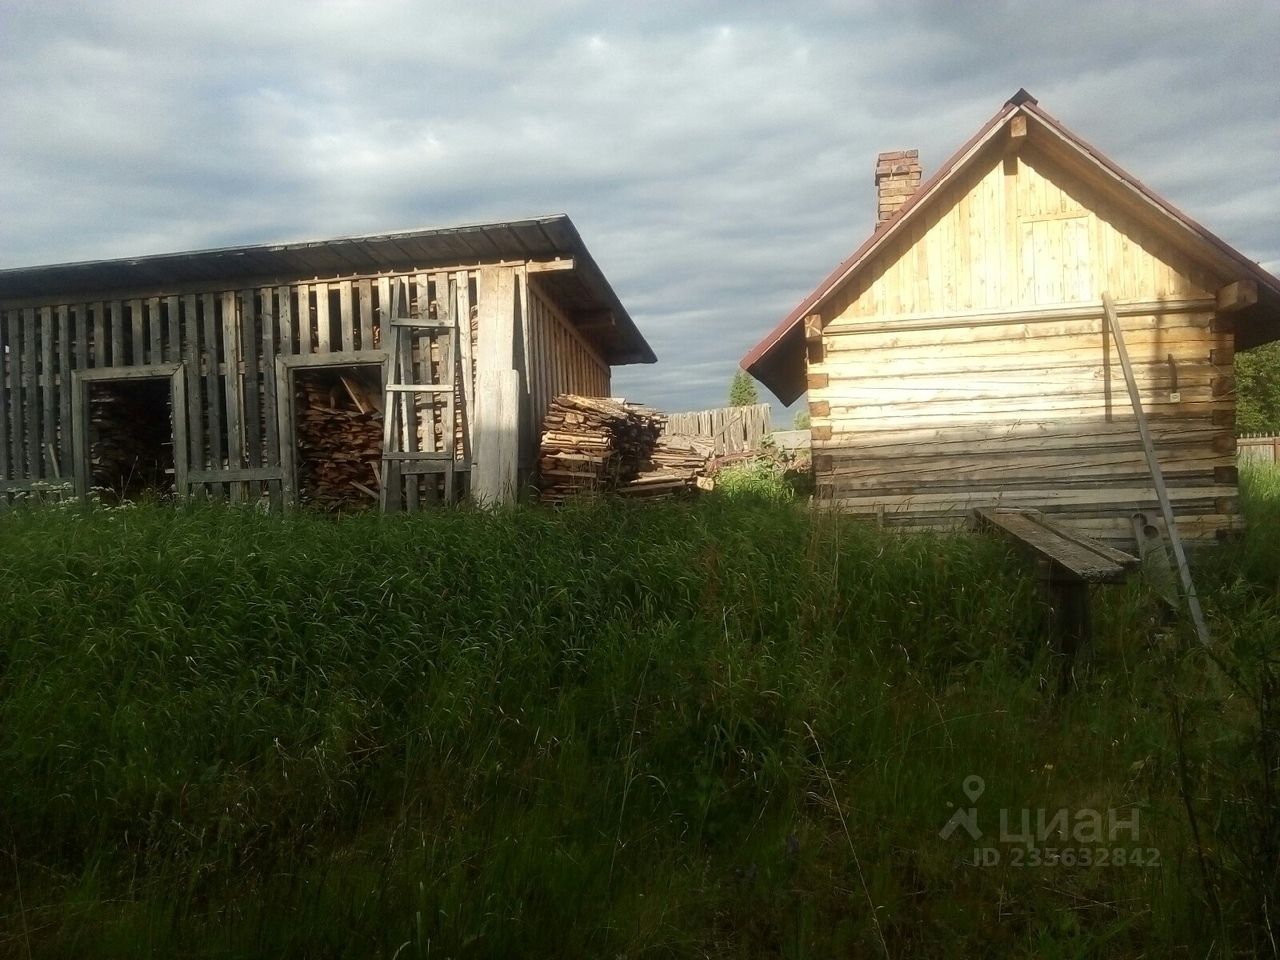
600, 445
339, 441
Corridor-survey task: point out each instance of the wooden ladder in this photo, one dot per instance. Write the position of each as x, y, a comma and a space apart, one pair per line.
409, 378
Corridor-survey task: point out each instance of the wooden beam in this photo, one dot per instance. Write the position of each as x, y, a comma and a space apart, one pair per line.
550, 266
819, 408
1157, 475
1237, 296
1018, 129
813, 326
817, 381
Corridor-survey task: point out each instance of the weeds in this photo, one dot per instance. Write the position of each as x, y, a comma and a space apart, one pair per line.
595, 731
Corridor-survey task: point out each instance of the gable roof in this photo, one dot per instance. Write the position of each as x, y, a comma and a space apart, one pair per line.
582, 291
777, 360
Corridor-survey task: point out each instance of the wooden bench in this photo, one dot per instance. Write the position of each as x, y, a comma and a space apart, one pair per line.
1068, 564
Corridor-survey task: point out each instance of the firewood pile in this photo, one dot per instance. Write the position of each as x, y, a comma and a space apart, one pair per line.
339, 423
593, 444
676, 466
598, 445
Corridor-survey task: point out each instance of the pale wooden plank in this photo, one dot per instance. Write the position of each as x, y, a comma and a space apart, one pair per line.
173, 351
7, 347
64, 389
48, 395
213, 384
100, 335
271, 414
494, 474
233, 391
284, 320
195, 384
364, 291
305, 319
115, 311
137, 325
346, 316
31, 396
155, 330
323, 323
250, 342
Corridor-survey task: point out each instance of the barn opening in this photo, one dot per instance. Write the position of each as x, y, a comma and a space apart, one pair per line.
338, 423
131, 449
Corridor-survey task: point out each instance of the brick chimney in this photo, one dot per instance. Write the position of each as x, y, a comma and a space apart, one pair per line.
897, 178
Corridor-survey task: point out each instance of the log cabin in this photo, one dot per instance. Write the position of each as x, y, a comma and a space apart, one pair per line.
398, 369
960, 357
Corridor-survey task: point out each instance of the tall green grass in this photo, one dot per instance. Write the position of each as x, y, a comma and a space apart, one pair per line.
729, 728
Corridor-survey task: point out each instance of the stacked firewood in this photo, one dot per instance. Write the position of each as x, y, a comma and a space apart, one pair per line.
676, 466
339, 422
594, 444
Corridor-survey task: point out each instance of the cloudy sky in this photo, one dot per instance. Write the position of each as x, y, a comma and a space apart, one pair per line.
716, 157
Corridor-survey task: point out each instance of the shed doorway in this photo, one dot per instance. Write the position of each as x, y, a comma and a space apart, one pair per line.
129, 429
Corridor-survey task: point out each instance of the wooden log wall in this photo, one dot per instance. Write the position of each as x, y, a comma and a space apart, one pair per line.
968, 365
228, 340
732, 429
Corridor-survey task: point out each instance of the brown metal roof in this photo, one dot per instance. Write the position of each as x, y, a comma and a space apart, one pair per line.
777, 360
582, 290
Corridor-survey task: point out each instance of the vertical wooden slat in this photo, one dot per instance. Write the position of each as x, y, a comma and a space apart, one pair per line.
6, 403
270, 415
115, 310
16, 470
322, 318
213, 392
231, 391
249, 349
384, 310
304, 322
155, 350
408, 403
100, 336
177, 410
81, 332
284, 315
174, 352
138, 341
345, 316
194, 384
48, 395
365, 290
64, 389
30, 397
462, 300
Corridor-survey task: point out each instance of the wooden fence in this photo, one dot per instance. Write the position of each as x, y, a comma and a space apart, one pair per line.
733, 429
1258, 449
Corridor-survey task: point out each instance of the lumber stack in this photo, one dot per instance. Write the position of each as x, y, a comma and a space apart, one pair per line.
339, 423
598, 445
594, 444
675, 466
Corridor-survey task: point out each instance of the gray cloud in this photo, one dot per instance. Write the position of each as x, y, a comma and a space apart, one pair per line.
716, 157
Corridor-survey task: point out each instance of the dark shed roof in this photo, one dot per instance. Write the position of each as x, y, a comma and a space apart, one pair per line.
583, 291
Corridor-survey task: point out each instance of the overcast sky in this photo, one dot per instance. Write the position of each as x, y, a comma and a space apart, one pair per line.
716, 157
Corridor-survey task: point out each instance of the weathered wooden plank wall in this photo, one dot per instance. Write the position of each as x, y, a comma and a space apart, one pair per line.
229, 339
733, 429
560, 359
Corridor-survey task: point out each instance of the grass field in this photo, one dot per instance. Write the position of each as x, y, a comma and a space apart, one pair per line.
720, 729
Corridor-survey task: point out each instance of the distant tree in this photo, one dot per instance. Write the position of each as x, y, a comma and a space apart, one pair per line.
1258, 390
742, 392
802, 420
